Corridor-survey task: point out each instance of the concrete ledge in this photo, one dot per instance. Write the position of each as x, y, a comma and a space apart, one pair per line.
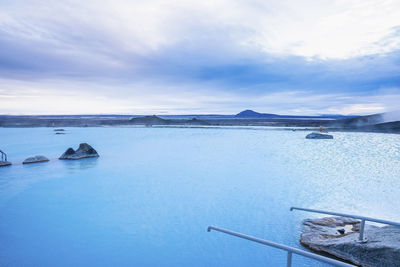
4, 163
338, 236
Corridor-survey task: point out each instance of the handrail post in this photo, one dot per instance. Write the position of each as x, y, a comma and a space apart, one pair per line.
362, 226
363, 219
289, 259
3, 156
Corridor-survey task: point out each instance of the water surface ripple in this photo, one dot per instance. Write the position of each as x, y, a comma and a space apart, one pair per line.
149, 198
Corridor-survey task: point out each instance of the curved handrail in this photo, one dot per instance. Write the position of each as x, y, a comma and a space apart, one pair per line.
290, 250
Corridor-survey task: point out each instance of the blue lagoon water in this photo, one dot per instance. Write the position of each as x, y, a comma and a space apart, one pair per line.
148, 199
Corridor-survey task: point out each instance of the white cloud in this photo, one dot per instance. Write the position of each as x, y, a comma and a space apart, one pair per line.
331, 29
130, 41
326, 29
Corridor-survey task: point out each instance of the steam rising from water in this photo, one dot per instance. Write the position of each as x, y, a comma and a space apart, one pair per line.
391, 116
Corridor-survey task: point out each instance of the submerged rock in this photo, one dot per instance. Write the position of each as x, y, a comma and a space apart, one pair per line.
319, 136
4, 163
59, 130
338, 236
35, 159
84, 151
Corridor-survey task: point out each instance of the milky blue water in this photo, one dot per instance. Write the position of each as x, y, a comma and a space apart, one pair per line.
149, 198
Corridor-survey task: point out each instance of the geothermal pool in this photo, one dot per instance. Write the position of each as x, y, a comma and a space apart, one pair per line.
148, 199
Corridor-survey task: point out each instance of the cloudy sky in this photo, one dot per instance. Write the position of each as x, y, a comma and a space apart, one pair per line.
187, 57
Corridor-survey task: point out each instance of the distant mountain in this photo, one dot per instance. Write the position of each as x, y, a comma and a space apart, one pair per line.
149, 120
155, 120
252, 114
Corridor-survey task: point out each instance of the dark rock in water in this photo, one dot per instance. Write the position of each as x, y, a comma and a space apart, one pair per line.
70, 151
59, 133
4, 163
382, 246
84, 151
319, 136
35, 159
59, 130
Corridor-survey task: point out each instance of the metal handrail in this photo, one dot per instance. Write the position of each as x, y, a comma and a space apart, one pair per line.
290, 250
3, 156
362, 218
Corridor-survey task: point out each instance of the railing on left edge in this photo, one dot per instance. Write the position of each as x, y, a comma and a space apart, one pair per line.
290, 250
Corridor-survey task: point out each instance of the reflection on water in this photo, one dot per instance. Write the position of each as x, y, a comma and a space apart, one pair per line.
19, 177
82, 164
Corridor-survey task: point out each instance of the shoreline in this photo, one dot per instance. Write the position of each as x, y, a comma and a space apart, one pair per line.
360, 124
230, 127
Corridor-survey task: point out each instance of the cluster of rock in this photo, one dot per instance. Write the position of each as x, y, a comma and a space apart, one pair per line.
84, 151
338, 236
319, 136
